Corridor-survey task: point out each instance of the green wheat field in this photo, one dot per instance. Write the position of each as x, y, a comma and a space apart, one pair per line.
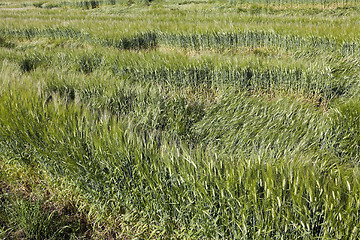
177, 119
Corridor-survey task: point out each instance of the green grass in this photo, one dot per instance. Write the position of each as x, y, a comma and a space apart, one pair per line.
179, 120
30, 210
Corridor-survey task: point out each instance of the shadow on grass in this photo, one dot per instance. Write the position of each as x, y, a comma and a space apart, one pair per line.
22, 217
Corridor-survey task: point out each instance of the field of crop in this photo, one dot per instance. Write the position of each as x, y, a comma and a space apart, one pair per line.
174, 119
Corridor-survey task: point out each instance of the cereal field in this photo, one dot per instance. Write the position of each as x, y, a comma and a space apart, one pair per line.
176, 119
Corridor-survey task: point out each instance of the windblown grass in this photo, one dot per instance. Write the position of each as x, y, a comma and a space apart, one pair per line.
162, 132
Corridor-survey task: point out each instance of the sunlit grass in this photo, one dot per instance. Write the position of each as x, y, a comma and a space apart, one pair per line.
188, 120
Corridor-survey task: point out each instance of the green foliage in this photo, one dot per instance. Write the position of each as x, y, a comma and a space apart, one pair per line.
113, 159
87, 64
202, 126
26, 218
6, 44
30, 63
345, 125
274, 128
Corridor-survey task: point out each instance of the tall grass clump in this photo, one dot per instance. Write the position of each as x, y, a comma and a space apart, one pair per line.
29, 63
88, 4
344, 120
240, 124
25, 219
